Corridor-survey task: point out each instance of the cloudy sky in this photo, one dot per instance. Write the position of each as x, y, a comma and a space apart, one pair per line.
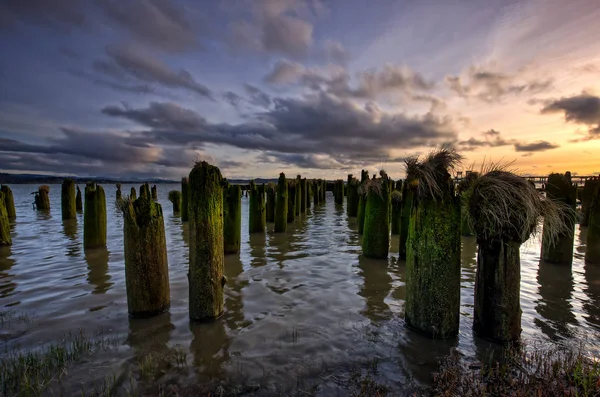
143, 88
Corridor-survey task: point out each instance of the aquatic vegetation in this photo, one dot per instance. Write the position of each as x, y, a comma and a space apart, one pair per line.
175, 198
67, 199
232, 219
257, 222
94, 217
281, 206
9, 202
463, 188
133, 194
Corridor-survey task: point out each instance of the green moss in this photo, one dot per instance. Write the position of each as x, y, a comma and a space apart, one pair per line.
42, 198
154, 192
145, 251
291, 213
5, 238
94, 217
270, 191
78, 201
232, 219
497, 313
587, 195
145, 190
362, 203
67, 199
433, 267
132, 194
281, 207
592, 253
376, 237
257, 222
560, 251
352, 196
9, 202
175, 199
185, 197
206, 242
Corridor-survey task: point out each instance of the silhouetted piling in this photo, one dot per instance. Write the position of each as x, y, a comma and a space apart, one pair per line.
338, 191
298, 194
281, 207
154, 192
185, 197
232, 219
376, 236
175, 199
206, 279
560, 251
5, 238
132, 194
145, 190
316, 192
324, 191
362, 202
309, 193
303, 195
291, 209
9, 202
405, 213
42, 198
94, 217
433, 247
592, 253
270, 191
352, 196
67, 199
146, 266
257, 222
78, 201
396, 211
587, 195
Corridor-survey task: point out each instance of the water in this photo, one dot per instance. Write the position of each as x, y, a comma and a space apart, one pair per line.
296, 305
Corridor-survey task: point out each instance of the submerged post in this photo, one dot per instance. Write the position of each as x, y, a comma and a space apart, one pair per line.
362, 202
376, 237
270, 190
433, 247
42, 198
257, 216
291, 208
281, 207
206, 278
175, 199
9, 202
592, 253
94, 217
352, 196
78, 201
5, 238
146, 266
560, 189
67, 199
154, 192
185, 197
232, 219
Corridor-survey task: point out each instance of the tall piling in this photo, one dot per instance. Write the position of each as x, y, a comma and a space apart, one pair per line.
94, 217
376, 236
309, 193
154, 192
362, 202
560, 189
145, 190
42, 198
67, 199
338, 191
316, 192
592, 253
185, 197
9, 202
303, 195
352, 196
405, 213
206, 278
232, 219
175, 199
5, 238
145, 251
291, 212
132, 194
271, 189
433, 247
78, 201
298, 195
281, 207
257, 222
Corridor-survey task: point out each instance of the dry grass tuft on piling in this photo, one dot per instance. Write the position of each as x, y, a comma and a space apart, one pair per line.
425, 175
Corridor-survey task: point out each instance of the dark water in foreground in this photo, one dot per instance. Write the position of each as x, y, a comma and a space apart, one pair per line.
297, 304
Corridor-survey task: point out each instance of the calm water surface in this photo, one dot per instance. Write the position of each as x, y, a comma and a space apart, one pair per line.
296, 304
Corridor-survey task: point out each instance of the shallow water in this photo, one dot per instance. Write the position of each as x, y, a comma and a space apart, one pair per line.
297, 304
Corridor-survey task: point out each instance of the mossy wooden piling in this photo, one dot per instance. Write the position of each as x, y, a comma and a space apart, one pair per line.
303, 195
298, 195
316, 193
281, 207
145, 190
396, 211
405, 214
154, 192
67, 199
206, 279
376, 236
145, 250
78, 201
232, 219
271, 189
362, 203
5, 238
592, 253
185, 197
291, 212
175, 199
309, 193
132, 194
94, 217
352, 196
257, 222
9, 202
560, 251
42, 198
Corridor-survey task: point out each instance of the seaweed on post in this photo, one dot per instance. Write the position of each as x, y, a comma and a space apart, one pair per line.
376, 236
232, 218
175, 199
145, 190
281, 206
94, 217
9, 202
67, 199
257, 220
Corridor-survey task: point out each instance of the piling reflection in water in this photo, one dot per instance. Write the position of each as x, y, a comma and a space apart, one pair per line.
555, 288
7, 284
257, 249
149, 337
234, 305
97, 262
210, 348
376, 287
70, 231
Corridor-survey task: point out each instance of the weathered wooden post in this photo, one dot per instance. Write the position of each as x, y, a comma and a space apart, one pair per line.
185, 197
592, 253
67, 199
462, 189
257, 222
587, 195
94, 217
405, 213
303, 195
132, 194
78, 201
145, 190
376, 237
352, 196
298, 194
42, 198
396, 211
291, 212
232, 219
9, 202
154, 192
560, 189
338, 191
362, 202
324, 191
270, 190
175, 199
5, 238
433, 247
206, 279
146, 266
316, 192
281, 210
118, 194
309, 193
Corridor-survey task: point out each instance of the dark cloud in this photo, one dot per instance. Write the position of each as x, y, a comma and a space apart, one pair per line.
492, 138
538, 146
257, 96
56, 14
314, 161
580, 109
232, 98
128, 62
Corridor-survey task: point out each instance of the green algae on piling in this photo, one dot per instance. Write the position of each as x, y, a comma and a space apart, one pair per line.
9, 202
433, 246
132, 194
206, 279
592, 253
352, 196
145, 251
67, 199
175, 199
405, 213
78, 201
145, 190
257, 216
271, 189
232, 219
560, 188
94, 217
5, 238
376, 235
281, 206
154, 192
362, 203
185, 197
291, 212
42, 198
